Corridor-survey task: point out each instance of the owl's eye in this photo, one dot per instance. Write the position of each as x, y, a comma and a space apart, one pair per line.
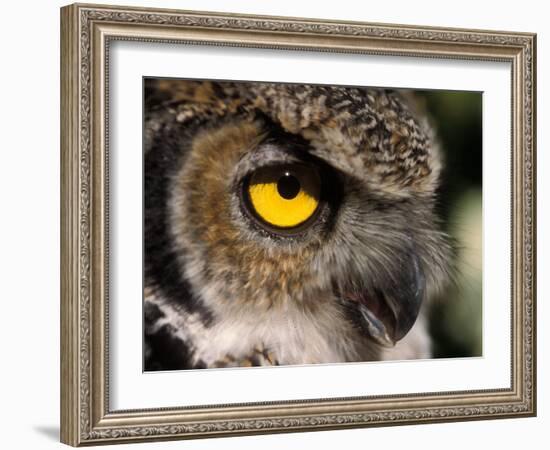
284, 197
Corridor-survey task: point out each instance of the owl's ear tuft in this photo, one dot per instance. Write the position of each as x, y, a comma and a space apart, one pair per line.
158, 91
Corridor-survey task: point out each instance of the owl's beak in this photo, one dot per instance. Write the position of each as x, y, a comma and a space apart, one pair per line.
388, 312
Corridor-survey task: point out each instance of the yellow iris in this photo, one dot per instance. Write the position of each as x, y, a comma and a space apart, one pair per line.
284, 197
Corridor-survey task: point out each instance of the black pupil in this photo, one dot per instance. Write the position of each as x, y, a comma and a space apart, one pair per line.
288, 186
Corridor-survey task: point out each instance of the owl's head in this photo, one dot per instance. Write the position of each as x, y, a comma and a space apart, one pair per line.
261, 196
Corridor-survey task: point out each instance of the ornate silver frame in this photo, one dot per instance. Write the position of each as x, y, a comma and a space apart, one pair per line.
86, 31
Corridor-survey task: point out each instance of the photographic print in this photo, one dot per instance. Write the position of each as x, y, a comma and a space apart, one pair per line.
292, 224
343, 212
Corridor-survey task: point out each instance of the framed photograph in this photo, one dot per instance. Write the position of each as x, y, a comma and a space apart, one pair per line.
276, 224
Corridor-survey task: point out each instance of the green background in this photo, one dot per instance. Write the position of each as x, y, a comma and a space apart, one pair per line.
456, 317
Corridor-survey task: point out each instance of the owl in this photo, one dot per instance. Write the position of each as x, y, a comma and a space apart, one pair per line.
287, 224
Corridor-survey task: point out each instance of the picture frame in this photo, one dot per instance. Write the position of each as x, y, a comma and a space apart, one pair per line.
87, 33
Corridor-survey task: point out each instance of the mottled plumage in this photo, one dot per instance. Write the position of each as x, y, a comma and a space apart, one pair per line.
223, 289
